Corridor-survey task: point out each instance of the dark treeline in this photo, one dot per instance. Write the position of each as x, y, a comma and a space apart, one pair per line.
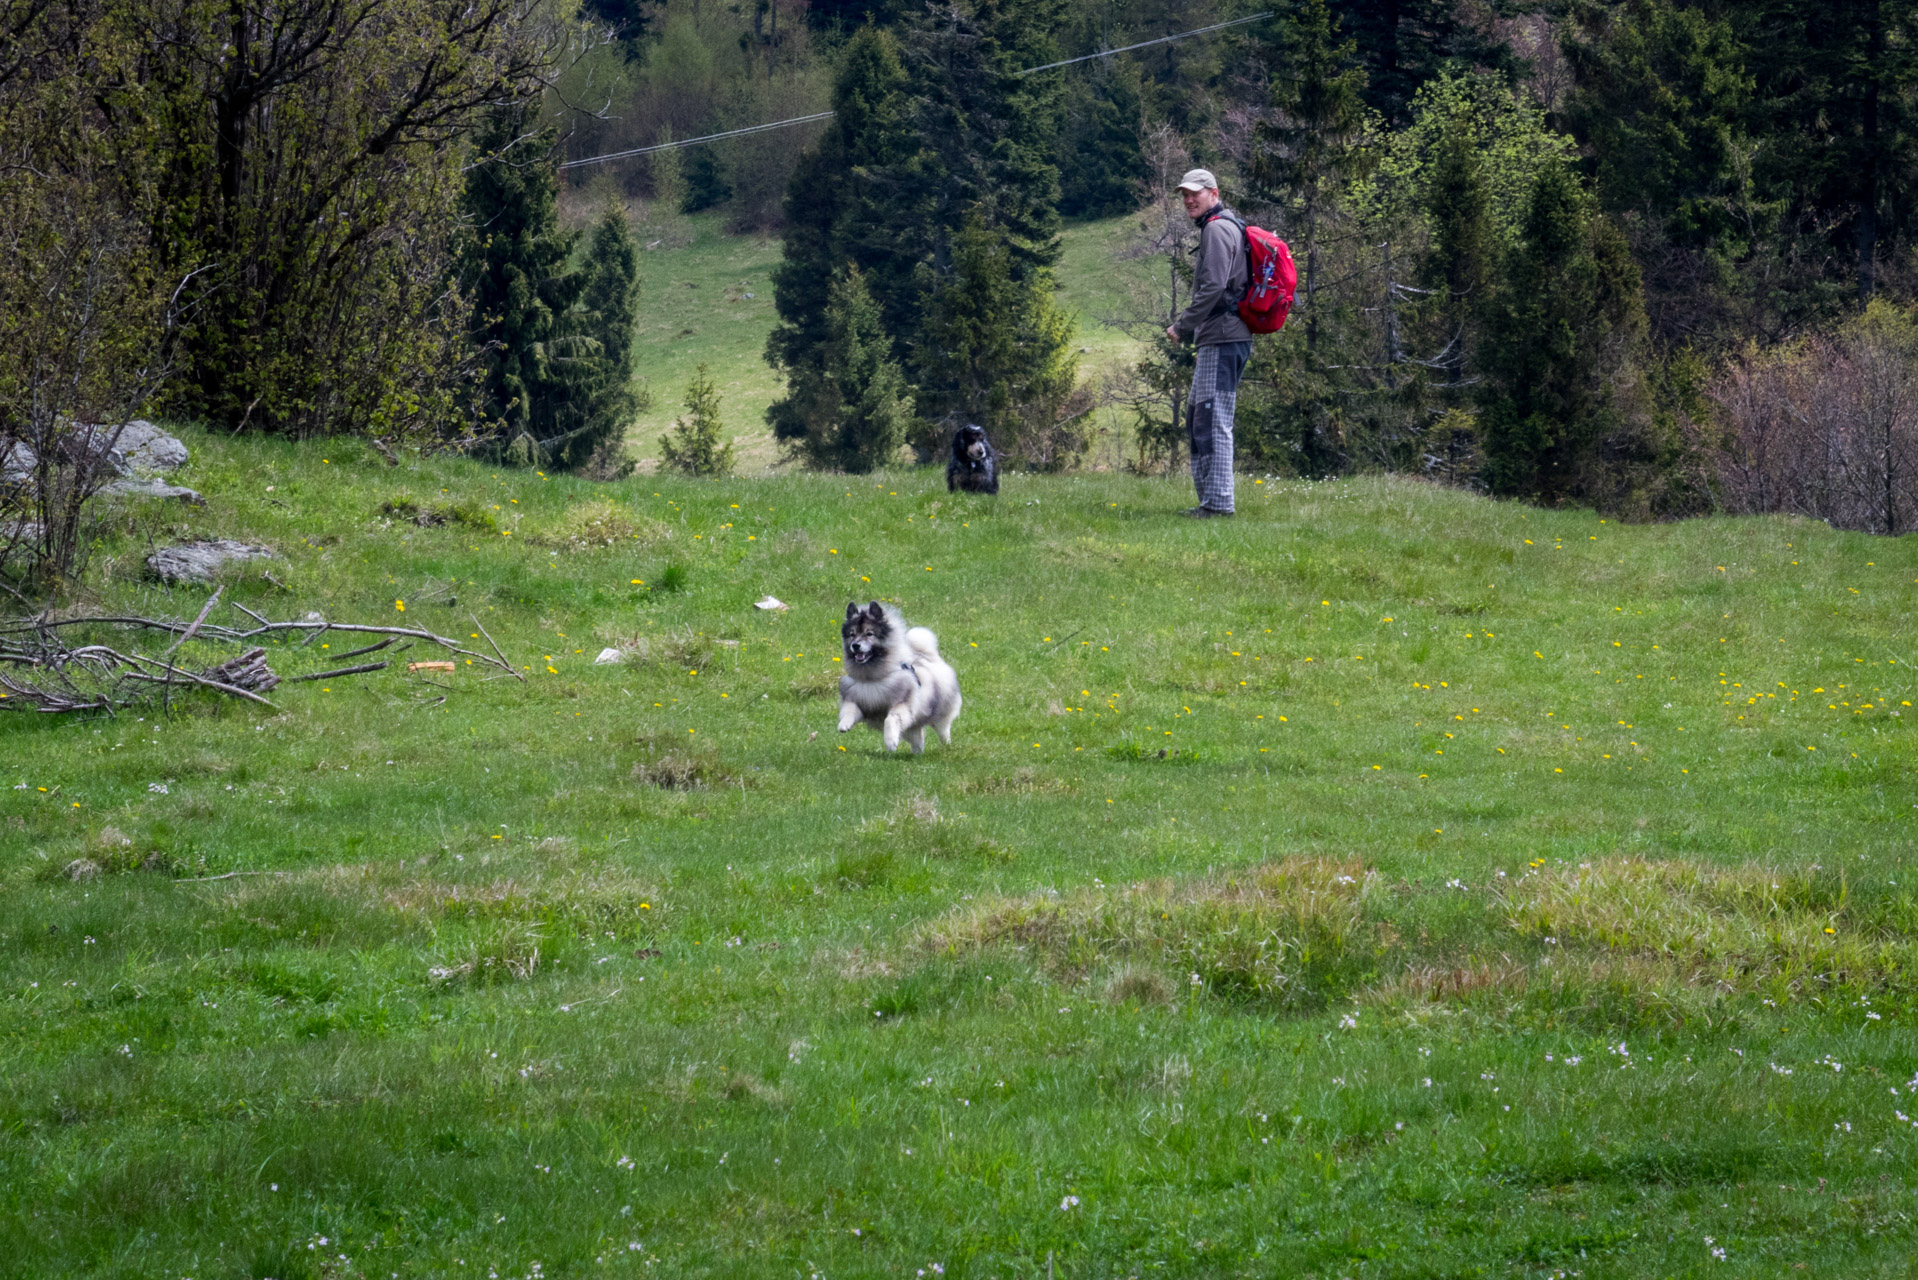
1652, 255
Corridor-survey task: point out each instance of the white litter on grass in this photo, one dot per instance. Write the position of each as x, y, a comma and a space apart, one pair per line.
609, 656
770, 602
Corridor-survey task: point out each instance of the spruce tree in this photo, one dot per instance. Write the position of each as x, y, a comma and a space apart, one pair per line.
866, 406
1566, 320
608, 310
694, 447
866, 141
515, 259
1462, 248
1103, 169
995, 350
706, 185
1316, 139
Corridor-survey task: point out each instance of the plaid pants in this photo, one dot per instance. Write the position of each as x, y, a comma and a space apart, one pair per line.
1214, 399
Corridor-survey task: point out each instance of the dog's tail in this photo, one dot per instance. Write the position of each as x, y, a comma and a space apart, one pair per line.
923, 642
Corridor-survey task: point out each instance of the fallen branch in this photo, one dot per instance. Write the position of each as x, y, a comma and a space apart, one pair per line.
230, 875
340, 671
236, 635
519, 675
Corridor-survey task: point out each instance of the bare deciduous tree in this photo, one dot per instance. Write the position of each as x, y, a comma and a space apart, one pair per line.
1827, 427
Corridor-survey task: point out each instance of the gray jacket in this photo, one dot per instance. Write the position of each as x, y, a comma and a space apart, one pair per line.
1219, 278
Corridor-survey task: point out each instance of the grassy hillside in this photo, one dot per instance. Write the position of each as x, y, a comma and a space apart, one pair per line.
708, 297
1386, 882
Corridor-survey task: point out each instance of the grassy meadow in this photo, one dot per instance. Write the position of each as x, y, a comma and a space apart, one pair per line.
708, 297
1387, 882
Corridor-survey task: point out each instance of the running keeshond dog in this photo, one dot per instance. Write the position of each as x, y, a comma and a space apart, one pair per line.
895, 679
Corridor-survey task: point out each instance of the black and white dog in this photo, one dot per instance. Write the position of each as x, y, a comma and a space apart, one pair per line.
974, 466
895, 679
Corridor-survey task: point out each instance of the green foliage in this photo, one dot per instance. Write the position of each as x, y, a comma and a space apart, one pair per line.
1102, 170
1506, 134
1317, 139
1407, 44
608, 312
932, 128
307, 171
995, 350
557, 339
706, 185
694, 446
860, 409
516, 258
1566, 321
827, 215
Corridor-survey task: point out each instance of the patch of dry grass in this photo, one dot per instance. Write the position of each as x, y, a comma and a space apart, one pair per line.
600, 524
1293, 932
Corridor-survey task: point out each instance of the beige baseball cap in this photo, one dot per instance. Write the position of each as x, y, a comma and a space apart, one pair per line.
1198, 180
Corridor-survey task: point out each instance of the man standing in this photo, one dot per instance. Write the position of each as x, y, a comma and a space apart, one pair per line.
1219, 279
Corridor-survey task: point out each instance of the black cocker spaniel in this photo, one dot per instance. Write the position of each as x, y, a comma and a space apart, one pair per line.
974, 466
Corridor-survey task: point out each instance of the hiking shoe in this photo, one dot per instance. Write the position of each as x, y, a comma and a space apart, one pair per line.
1206, 513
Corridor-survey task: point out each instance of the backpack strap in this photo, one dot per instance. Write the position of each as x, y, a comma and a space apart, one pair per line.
1217, 211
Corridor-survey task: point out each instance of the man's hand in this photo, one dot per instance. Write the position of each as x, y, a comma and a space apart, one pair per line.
1173, 334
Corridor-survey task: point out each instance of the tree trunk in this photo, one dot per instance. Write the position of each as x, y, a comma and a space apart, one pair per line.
1867, 232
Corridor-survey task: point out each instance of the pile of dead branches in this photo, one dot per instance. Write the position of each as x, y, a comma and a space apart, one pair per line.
41, 671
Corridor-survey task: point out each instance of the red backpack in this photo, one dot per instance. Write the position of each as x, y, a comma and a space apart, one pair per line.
1271, 280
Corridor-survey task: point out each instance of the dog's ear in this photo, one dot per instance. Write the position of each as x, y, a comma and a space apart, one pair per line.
876, 611
852, 610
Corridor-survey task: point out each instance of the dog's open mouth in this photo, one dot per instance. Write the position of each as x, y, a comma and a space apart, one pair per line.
859, 655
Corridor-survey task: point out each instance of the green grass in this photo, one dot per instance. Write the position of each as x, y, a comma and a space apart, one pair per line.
694, 308
643, 970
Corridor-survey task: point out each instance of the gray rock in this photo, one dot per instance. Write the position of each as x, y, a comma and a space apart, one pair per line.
17, 462
147, 448
202, 561
154, 487
139, 447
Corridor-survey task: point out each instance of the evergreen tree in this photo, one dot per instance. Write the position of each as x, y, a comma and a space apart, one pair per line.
995, 350
1565, 322
865, 143
1404, 44
863, 406
515, 258
608, 311
931, 127
706, 185
1834, 99
693, 447
1317, 138
1461, 253
1104, 168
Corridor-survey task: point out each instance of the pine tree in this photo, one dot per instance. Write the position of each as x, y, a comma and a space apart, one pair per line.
608, 310
1104, 170
515, 258
693, 447
864, 407
867, 138
995, 350
1565, 322
1316, 140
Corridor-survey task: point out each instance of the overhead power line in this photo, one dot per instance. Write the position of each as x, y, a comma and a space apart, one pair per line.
693, 142
827, 115
1147, 44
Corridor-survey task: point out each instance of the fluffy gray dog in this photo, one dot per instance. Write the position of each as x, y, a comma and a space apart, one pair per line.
895, 679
